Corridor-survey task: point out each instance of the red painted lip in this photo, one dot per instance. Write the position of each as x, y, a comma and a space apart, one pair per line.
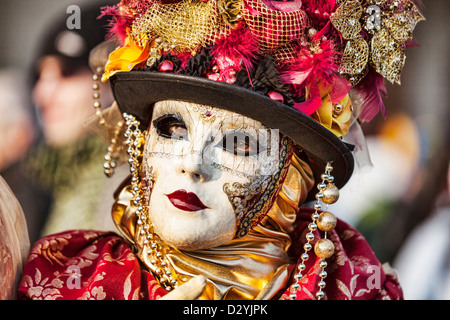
186, 201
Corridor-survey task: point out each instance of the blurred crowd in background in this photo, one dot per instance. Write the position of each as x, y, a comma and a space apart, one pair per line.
53, 163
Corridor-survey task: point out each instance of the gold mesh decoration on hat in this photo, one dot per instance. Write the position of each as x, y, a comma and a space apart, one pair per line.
285, 53
389, 24
346, 19
274, 29
387, 56
187, 25
355, 58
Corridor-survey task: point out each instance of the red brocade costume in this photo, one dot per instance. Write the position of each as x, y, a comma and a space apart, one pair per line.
80, 265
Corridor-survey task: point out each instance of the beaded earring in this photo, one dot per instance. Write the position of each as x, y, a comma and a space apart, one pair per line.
96, 95
113, 149
325, 222
152, 246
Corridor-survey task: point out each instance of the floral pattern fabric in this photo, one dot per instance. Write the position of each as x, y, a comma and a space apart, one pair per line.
90, 265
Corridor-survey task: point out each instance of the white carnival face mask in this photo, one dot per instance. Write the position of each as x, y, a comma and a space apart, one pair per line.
213, 173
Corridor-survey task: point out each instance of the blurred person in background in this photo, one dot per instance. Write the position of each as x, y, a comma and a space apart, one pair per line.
66, 161
18, 132
393, 153
423, 224
16, 124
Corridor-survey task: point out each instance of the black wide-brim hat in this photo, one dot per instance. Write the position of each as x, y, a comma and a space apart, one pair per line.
294, 50
136, 92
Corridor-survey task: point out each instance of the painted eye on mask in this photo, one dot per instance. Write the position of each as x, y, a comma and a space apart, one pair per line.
241, 143
171, 126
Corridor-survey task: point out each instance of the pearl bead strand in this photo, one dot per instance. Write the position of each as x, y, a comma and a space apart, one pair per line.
324, 221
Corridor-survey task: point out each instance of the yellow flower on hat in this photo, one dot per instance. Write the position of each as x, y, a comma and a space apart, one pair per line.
126, 58
336, 117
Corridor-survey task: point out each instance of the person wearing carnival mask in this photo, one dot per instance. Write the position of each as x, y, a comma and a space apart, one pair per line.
234, 114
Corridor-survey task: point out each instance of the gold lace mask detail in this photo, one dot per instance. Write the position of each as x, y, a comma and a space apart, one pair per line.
252, 200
